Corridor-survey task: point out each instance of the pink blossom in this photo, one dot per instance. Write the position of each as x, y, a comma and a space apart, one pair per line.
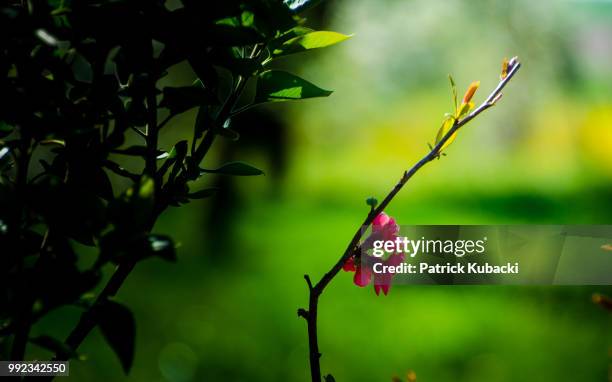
363, 276
382, 281
349, 264
384, 227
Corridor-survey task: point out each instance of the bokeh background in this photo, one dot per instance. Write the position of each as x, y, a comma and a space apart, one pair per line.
227, 310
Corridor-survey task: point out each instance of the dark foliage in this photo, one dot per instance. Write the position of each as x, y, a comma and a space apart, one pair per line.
79, 78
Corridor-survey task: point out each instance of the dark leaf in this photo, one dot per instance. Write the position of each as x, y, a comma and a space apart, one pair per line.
226, 132
118, 327
5, 129
132, 211
226, 35
235, 168
181, 152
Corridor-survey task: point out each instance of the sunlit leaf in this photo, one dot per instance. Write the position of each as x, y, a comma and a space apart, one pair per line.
300, 5
312, 40
291, 33
444, 129
464, 109
454, 90
276, 85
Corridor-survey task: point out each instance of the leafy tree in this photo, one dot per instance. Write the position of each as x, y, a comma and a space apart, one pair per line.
80, 79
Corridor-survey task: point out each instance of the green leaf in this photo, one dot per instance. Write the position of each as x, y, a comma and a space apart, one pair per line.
235, 168
247, 19
181, 152
372, 201
146, 188
312, 40
447, 125
454, 90
277, 85
291, 33
5, 129
56, 346
118, 327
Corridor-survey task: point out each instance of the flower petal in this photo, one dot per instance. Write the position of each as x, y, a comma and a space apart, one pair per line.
349, 265
362, 277
380, 221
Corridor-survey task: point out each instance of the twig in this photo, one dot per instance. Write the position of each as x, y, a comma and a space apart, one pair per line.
140, 132
310, 315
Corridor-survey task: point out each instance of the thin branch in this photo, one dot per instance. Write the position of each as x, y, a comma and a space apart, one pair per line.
152, 133
307, 278
140, 132
317, 290
114, 167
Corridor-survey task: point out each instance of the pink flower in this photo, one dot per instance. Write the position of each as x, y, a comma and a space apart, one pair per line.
384, 227
382, 281
349, 265
362, 277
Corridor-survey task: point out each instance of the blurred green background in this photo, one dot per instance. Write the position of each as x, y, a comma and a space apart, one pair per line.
227, 310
